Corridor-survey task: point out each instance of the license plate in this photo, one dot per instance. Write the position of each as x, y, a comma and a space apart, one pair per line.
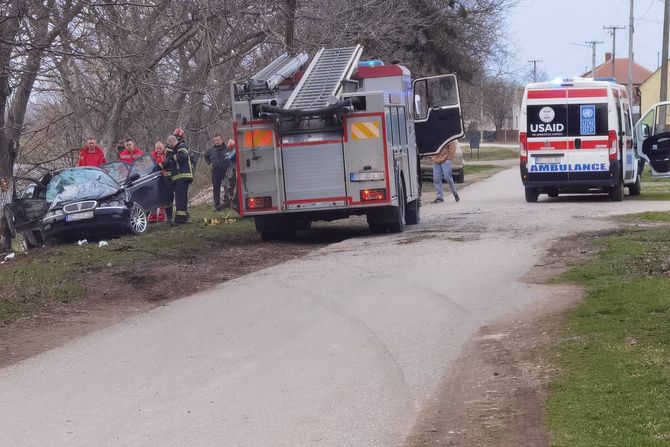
79, 216
547, 160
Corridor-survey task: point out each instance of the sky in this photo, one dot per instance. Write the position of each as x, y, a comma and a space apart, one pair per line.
549, 30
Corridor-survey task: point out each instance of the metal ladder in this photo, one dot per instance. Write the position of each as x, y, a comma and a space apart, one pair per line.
281, 68
324, 77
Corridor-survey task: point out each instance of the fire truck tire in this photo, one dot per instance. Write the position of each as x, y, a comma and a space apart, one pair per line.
636, 188
413, 213
397, 225
377, 228
616, 192
531, 195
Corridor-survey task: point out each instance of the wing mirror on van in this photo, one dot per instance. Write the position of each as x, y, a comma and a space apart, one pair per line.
132, 178
645, 131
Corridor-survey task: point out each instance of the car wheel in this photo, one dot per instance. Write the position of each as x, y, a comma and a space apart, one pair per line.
531, 195
138, 222
636, 188
616, 192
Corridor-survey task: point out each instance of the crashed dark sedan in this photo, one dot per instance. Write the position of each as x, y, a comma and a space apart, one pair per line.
88, 201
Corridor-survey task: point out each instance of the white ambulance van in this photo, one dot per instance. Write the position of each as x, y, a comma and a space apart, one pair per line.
576, 136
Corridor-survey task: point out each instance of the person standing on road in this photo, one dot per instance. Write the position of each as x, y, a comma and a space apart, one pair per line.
131, 152
442, 169
178, 160
216, 157
91, 154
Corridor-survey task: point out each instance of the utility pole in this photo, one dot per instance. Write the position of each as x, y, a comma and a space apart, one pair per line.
535, 62
612, 30
664, 50
592, 44
631, 31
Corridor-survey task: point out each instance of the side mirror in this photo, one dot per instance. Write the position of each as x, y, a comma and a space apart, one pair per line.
132, 178
645, 131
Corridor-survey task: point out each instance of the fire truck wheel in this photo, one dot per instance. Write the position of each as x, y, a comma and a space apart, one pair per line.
398, 223
616, 192
413, 212
269, 235
636, 188
377, 228
532, 194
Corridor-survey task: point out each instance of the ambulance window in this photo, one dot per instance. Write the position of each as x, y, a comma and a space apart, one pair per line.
586, 120
662, 119
389, 125
394, 119
626, 120
402, 126
618, 113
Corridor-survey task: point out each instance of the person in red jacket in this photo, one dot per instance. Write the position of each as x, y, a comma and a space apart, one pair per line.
131, 152
91, 154
158, 154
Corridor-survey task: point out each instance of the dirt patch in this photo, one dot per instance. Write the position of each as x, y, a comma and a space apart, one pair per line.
113, 293
495, 394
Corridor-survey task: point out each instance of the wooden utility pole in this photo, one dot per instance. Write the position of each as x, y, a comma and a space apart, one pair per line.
612, 30
535, 62
631, 55
664, 50
592, 44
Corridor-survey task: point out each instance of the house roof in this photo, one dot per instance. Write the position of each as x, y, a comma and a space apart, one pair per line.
640, 73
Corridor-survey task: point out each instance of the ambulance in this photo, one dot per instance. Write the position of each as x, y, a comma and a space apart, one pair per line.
576, 136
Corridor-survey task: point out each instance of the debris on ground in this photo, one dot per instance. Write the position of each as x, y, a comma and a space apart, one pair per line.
102, 244
82, 242
11, 255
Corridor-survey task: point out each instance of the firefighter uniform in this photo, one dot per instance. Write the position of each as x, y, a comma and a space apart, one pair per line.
182, 177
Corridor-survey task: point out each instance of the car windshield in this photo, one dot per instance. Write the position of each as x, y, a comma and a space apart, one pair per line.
81, 184
117, 169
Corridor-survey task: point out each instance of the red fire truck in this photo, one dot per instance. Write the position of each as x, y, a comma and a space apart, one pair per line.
339, 138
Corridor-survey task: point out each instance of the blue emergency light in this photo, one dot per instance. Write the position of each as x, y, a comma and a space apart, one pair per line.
606, 79
371, 63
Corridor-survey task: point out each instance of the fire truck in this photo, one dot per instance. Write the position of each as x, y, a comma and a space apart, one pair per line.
338, 138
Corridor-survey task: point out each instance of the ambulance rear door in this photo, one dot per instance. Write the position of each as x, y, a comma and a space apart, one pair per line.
547, 132
588, 133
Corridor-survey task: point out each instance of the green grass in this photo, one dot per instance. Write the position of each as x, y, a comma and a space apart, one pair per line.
616, 361
490, 153
50, 278
653, 189
475, 169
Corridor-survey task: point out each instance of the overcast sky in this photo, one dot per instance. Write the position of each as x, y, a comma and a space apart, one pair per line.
548, 30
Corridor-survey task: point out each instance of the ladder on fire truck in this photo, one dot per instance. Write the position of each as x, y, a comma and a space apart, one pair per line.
281, 68
324, 77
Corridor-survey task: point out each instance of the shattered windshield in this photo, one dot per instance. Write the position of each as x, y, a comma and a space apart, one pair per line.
81, 184
117, 169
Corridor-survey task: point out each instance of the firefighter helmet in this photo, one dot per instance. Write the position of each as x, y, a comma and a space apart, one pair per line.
179, 133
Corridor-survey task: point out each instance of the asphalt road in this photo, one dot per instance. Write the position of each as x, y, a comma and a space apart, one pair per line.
341, 348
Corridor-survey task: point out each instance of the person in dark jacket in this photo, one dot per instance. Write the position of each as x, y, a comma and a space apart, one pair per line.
178, 160
216, 157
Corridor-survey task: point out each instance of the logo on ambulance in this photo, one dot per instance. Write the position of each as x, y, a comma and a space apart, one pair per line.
547, 114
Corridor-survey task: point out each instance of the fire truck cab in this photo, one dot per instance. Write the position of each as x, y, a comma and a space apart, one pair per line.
340, 138
576, 135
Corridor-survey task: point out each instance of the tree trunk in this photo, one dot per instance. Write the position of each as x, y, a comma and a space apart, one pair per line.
291, 6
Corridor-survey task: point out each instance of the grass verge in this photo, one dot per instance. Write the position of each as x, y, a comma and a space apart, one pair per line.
51, 275
489, 153
653, 188
616, 357
476, 169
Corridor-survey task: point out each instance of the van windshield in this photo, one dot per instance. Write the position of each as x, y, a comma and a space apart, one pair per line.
567, 120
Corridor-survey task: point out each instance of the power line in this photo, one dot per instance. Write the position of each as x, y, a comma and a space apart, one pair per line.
612, 31
592, 44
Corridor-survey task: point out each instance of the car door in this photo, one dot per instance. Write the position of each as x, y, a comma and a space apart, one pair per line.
653, 139
29, 208
437, 113
148, 187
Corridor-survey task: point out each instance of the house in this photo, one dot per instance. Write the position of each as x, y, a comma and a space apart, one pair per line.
650, 90
604, 70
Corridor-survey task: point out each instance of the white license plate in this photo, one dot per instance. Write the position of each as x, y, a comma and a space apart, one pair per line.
547, 160
79, 216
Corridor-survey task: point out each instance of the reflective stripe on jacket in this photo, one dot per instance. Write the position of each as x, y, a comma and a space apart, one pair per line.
183, 169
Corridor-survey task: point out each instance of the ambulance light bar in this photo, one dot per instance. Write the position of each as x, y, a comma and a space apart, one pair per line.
371, 63
606, 79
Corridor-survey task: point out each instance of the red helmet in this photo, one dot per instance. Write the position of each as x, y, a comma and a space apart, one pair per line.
178, 132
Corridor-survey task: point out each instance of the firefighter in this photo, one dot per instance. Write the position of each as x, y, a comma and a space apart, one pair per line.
179, 161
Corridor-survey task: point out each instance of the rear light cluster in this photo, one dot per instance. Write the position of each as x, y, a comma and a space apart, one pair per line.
257, 203
523, 149
368, 195
612, 143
